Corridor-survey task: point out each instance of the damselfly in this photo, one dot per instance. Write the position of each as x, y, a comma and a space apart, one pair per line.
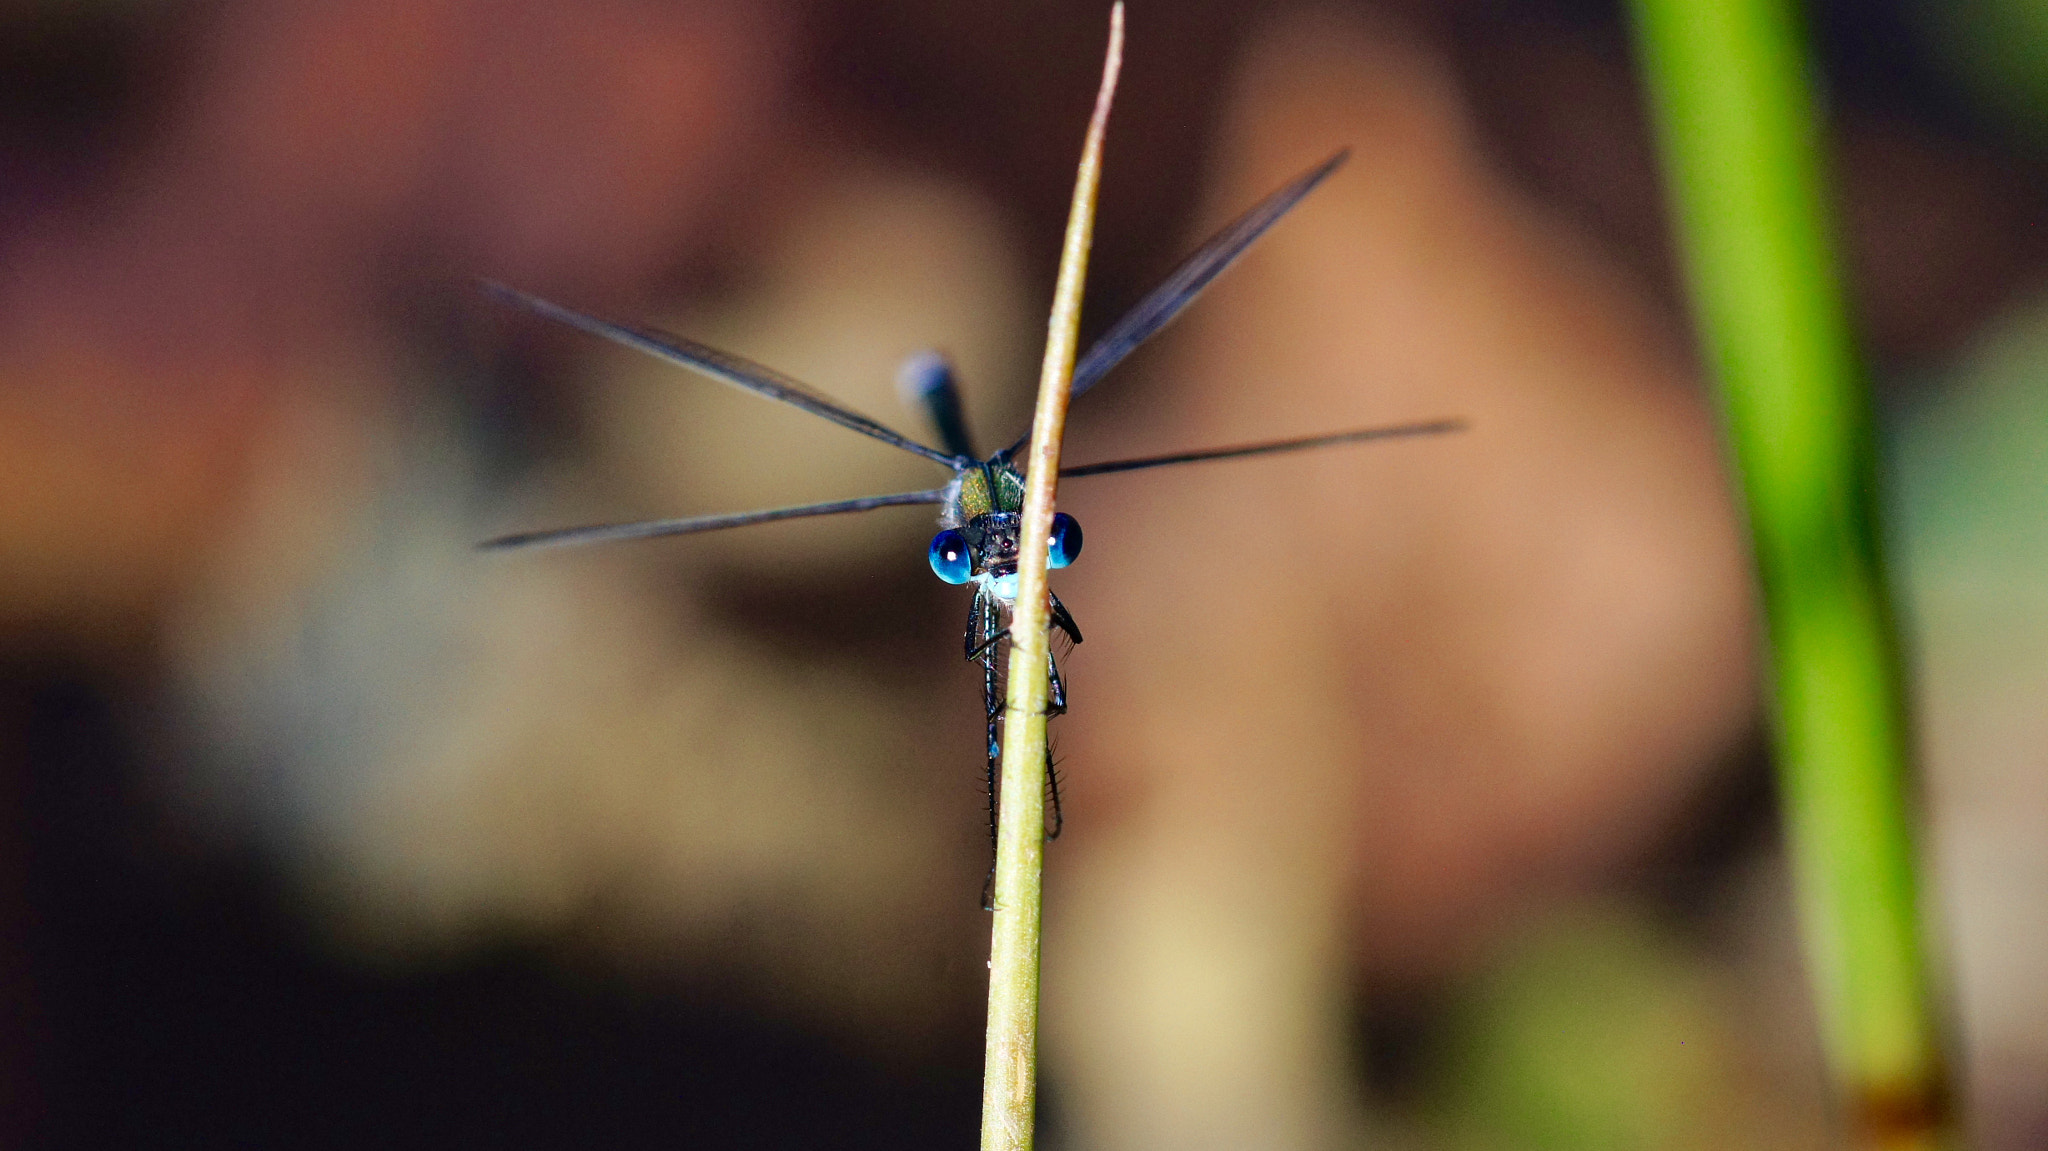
981, 505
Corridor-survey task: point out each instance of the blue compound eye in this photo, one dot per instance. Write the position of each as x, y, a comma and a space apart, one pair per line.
951, 560
1065, 543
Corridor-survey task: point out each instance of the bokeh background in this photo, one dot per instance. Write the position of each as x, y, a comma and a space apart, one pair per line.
1415, 794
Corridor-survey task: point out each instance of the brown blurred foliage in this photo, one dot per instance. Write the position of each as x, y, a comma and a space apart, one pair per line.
1344, 719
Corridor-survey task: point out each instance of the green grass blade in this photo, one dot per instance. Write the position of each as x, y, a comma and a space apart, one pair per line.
1740, 142
1010, 1073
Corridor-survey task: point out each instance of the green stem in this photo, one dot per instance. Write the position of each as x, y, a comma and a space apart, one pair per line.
1010, 1075
1739, 138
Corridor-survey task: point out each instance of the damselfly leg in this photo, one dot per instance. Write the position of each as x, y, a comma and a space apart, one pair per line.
1055, 704
983, 632
983, 642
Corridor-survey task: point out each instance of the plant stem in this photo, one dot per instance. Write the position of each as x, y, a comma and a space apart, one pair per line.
1738, 134
1010, 1075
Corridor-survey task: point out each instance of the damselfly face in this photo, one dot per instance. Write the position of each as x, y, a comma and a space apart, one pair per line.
981, 508
983, 515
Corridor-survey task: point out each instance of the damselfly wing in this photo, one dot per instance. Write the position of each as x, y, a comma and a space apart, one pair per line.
981, 504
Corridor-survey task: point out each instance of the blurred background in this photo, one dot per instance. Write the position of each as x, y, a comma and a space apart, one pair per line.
1415, 793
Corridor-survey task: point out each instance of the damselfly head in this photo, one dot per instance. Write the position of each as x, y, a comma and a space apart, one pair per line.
986, 546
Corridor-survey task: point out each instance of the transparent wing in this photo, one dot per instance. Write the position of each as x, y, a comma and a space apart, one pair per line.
736, 370
1428, 428
646, 529
1166, 301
